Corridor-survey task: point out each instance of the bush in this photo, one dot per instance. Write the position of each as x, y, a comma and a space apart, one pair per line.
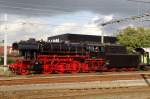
1, 60
9, 60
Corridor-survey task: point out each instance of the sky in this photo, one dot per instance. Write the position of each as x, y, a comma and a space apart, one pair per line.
43, 18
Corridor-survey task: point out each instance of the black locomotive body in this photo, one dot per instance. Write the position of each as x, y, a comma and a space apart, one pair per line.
64, 57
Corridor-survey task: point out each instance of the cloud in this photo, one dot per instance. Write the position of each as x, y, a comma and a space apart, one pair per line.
77, 28
108, 18
90, 28
125, 26
95, 18
23, 28
10, 26
57, 7
102, 10
16, 25
64, 28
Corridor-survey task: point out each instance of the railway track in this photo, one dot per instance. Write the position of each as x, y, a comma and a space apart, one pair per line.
62, 86
113, 93
101, 74
71, 78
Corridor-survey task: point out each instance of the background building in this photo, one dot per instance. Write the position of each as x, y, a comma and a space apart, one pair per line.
81, 38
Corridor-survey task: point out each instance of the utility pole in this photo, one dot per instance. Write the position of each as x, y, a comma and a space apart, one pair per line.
102, 38
5, 41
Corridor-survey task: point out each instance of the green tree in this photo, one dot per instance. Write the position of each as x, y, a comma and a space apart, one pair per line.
134, 37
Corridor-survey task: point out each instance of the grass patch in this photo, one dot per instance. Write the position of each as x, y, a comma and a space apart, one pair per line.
4, 70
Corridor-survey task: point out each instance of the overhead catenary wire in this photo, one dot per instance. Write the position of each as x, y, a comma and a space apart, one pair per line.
125, 19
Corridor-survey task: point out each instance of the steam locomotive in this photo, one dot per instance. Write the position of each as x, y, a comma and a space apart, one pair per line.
72, 57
